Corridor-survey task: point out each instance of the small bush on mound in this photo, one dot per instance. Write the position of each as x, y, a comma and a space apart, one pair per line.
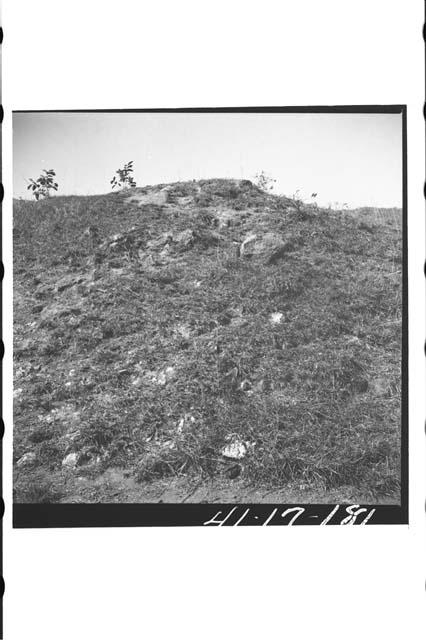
125, 178
44, 184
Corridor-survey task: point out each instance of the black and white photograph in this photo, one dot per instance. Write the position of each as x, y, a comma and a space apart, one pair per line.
208, 307
213, 320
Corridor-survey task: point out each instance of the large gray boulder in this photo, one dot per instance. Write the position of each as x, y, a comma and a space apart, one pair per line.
268, 247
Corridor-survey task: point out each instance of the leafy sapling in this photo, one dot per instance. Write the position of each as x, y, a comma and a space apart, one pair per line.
125, 178
44, 184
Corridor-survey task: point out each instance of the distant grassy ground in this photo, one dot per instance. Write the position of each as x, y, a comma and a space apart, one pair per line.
146, 353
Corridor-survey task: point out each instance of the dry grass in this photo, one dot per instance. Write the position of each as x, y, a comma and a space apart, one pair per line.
317, 395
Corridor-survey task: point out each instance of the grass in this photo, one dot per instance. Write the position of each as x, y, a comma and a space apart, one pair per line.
317, 395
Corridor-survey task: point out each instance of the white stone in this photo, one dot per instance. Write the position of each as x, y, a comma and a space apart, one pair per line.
185, 422
276, 318
236, 450
251, 238
27, 459
70, 460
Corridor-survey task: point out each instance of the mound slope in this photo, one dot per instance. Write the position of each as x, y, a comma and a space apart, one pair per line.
204, 332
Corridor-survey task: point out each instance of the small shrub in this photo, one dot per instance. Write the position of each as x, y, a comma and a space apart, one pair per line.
125, 178
44, 184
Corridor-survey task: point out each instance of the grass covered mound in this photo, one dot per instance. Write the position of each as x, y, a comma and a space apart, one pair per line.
156, 327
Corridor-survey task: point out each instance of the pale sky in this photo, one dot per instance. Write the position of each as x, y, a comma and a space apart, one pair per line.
351, 158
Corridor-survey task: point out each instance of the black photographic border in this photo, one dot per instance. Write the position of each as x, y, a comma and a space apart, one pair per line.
215, 514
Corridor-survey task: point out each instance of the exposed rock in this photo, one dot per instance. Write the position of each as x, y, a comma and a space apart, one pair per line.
184, 239
187, 238
70, 461
160, 241
262, 385
225, 218
37, 308
17, 393
68, 281
152, 197
160, 378
245, 385
183, 331
163, 377
183, 201
117, 272
234, 471
27, 459
380, 386
43, 291
208, 238
269, 247
276, 317
53, 312
185, 422
247, 245
40, 434
146, 261
235, 450
239, 321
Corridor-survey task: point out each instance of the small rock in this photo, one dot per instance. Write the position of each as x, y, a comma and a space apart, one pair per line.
160, 241
73, 435
246, 243
361, 386
234, 471
225, 218
380, 386
107, 332
236, 450
184, 239
261, 385
40, 434
163, 377
51, 314
68, 281
37, 308
276, 318
70, 460
27, 459
185, 422
239, 322
43, 290
183, 331
117, 271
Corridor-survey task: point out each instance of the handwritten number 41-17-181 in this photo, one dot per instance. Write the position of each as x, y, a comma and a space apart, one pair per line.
354, 515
